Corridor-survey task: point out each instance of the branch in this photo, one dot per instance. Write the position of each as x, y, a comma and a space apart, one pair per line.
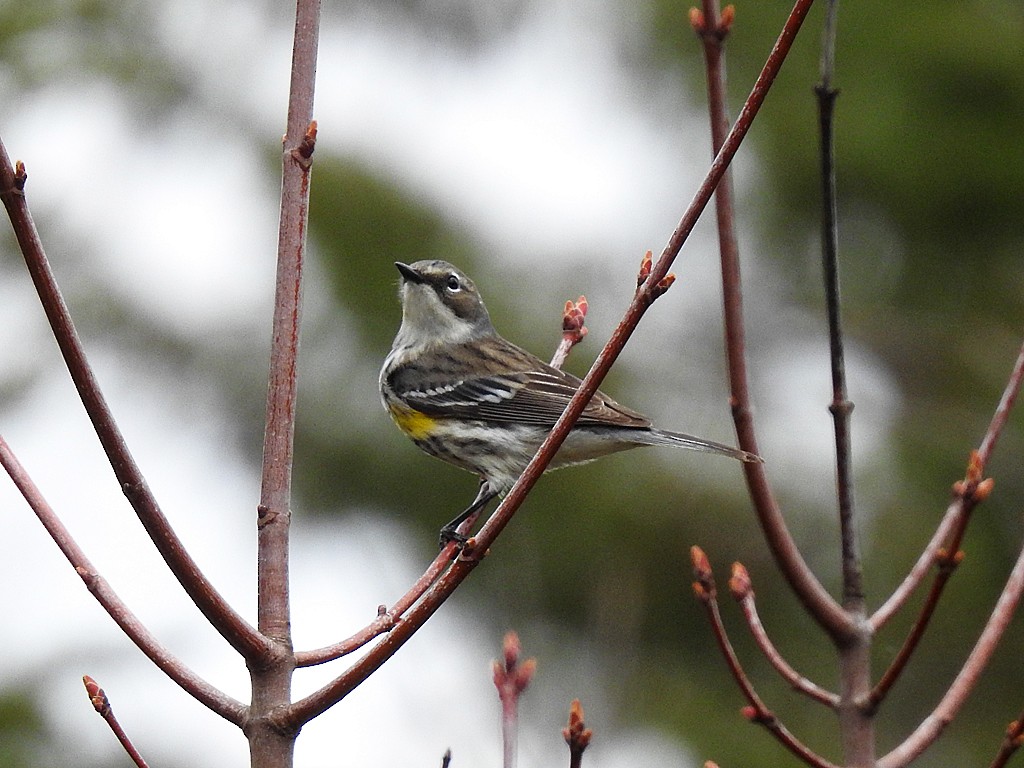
101, 704
756, 711
947, 559
239, 633
933, 725
742, 589
218, 701
1012, 741
712, 29
955, 520
573, 329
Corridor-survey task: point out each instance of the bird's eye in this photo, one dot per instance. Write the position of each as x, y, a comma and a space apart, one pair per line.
453, 283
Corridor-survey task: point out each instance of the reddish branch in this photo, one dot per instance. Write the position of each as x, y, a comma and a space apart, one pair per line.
239, 633
756, 711
1012, 741
943, 714
711, 27
101, 704
174, 668
742, 589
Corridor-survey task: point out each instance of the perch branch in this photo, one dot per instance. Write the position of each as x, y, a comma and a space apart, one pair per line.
652, 287
239, 633
841, 407
225, 706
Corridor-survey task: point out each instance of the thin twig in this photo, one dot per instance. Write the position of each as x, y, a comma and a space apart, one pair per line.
756, 711
218, 701
924, 564
238, 632
576, 734
742, 589
1012, 741
955, 517
819, 603
512, 676
973, 491
101, 704
933, 725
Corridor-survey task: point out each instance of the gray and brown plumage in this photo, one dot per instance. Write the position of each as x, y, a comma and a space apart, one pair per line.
464, 394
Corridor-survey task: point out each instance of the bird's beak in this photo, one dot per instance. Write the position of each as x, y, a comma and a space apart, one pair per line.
409, 274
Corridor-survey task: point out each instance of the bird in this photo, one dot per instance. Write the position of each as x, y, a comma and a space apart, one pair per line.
465, 395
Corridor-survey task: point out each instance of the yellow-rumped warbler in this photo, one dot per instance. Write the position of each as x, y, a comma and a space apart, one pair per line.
464, 394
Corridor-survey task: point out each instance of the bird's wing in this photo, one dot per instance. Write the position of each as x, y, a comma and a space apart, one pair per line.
524, 397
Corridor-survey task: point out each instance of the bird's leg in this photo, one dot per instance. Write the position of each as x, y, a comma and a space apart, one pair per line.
449, 532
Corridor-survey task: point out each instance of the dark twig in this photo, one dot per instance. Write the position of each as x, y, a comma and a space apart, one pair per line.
841, 408
174, 668
576, 734
855, 723
239, 633
933, 725
945, 545
446, 758
1012, 741
101, 704
511, 678
742, 589
756, 711
712, 29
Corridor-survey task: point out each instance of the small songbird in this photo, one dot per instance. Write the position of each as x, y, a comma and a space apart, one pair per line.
464, 394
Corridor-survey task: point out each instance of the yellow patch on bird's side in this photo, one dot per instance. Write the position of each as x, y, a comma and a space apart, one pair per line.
415, 424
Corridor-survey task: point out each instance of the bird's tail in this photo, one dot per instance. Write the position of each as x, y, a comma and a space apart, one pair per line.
663, 437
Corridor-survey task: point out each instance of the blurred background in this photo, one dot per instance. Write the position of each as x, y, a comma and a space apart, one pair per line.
542, 147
